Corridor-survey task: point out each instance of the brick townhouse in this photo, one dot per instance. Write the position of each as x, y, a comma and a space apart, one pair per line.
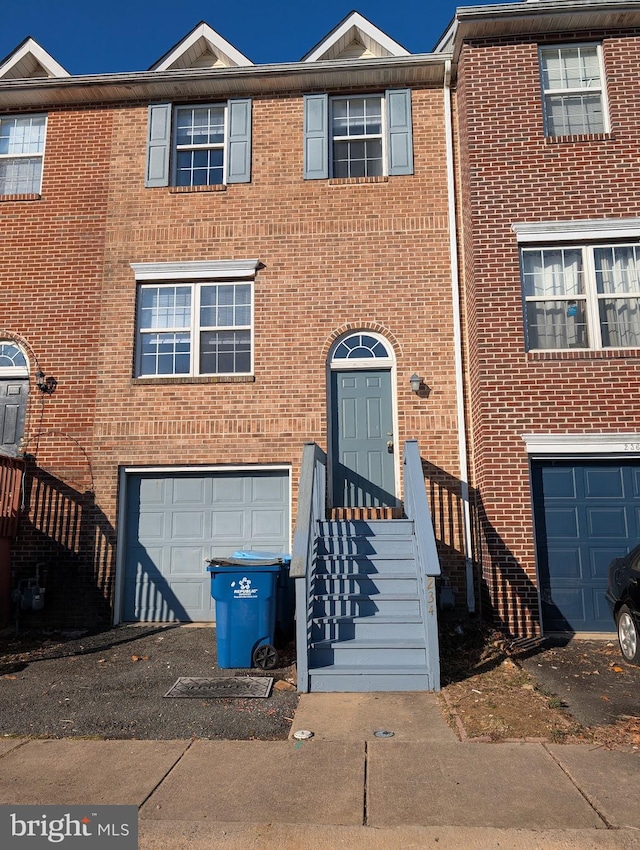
211, 263
549, 224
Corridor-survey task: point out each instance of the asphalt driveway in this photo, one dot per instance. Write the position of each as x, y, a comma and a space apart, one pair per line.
112, 685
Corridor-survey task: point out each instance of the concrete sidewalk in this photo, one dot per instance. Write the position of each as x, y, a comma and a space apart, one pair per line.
345, 787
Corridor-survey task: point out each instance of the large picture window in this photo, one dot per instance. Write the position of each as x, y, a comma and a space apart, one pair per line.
21, 151
573, 90
582, 297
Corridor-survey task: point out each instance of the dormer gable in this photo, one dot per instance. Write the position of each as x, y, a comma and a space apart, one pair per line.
355, 38
203, 47
29, 61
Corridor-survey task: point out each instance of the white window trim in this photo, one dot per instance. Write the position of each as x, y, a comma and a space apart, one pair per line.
214, 271
37, 191
382, 135
602, 88
584, 230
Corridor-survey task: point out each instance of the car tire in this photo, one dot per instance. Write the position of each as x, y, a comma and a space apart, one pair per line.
628, 636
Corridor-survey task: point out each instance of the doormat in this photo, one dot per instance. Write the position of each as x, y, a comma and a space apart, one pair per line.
221, 688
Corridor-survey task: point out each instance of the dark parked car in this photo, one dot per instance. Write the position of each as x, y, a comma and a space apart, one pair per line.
623, 596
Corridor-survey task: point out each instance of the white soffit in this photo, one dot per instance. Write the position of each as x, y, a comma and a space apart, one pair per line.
567, 231
582, 444
202, 48
355, 38
28, 61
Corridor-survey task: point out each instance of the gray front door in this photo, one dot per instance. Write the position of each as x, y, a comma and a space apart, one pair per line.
13, 406
362, 439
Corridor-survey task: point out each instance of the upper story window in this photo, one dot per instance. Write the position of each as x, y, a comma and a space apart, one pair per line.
199, 145
358, 135
21, 151
195, 318
573, 90
582, 297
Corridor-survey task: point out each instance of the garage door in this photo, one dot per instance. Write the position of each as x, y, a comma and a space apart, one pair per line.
586, 514
175, 522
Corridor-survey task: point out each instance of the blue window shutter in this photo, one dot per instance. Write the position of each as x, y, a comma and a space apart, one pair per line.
316, 136
399, 132
239, 144
158, 145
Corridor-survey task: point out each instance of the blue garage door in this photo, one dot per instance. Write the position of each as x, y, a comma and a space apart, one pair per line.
586, 514
175, 522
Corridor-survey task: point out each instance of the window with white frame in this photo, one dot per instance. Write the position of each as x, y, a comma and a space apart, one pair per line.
199, 144
584, 296
21, 151
364, 135
573, 90
357, 136
195, 328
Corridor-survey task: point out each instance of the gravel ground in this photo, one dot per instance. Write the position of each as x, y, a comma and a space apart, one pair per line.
112, 685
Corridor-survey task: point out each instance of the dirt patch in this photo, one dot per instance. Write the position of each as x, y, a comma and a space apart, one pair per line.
491, 690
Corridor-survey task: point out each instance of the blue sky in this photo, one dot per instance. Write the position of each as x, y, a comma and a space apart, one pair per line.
97, 38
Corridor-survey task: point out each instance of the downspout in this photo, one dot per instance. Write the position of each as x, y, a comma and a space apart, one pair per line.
457, 339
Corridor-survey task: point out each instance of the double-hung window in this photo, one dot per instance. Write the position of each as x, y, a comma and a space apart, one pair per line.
584, 296
368, 135
21, 152
195, 327
573, 90
199, 144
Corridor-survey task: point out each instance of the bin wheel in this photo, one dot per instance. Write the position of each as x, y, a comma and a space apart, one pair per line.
265, 656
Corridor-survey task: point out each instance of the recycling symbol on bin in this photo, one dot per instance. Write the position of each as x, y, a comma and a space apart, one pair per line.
245, 584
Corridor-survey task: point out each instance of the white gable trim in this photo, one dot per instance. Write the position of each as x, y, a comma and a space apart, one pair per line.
587, 444
197, 270
589, 229
30, 48
217, 45
369, 34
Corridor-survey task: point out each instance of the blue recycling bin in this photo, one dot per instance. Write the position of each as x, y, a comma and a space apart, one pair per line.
245, 594
285, 590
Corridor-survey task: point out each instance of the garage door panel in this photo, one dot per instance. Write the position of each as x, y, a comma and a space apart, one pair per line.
565, 563
562, 523
600, 513
174, 522
187, 525
187, 491
559, 483
607, 522
603, 483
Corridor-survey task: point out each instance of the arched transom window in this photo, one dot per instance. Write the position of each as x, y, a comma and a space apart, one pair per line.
360, 349
12, 359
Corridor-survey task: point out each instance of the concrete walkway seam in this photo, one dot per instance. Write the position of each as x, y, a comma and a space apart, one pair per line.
169, 770
582, 793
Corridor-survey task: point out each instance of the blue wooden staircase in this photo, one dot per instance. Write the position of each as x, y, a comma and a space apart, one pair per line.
365, 597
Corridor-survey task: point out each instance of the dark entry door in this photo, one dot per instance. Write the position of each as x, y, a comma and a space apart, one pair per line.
362, 439
13, 406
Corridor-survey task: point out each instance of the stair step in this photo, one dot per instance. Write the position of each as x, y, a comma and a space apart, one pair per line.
347, 562
365, 583
359, 546
368, 679
404, 627
362, 605
365, 528
388, 653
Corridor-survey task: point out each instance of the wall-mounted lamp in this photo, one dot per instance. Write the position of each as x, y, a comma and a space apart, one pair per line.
416, 383
46, 385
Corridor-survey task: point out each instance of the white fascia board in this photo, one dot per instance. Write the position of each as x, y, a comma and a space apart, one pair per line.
584, 230
197, 270
30, 46
251, 467
219, 44
583, 444
355, 19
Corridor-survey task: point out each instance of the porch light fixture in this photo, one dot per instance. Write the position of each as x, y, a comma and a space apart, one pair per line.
47, 385
416, 383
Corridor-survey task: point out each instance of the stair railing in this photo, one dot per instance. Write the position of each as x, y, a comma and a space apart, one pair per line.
416, 508
311, 511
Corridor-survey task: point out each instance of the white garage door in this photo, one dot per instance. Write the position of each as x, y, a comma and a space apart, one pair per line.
174, 522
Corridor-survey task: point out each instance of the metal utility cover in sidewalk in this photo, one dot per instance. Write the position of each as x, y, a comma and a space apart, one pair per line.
221, 687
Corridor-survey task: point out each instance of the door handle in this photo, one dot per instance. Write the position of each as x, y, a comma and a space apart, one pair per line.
390, 446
